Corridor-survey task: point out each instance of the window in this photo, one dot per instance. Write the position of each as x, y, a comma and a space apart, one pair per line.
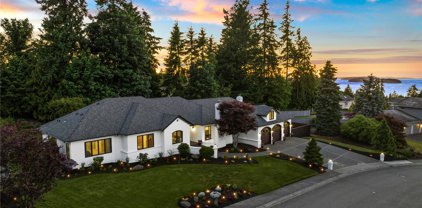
177, 137
271, 115
207, 132
68, 150
145, 141
97, 147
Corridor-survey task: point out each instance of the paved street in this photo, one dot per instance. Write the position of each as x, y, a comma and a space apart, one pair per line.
397, 187
342, 158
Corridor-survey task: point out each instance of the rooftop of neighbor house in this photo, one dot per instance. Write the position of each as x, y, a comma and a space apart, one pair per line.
412, 102
346, 98
134, 115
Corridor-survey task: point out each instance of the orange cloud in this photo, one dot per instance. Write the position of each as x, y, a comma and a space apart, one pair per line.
199, 11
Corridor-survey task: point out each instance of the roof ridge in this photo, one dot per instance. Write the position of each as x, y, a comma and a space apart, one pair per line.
128, 114
407, 114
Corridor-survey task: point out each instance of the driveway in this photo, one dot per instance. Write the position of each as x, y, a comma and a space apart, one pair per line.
342, 158
398, 187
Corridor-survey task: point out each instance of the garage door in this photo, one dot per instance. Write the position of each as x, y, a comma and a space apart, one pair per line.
266, 136
276, 133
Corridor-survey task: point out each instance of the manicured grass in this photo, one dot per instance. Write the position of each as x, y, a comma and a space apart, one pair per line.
416, 145
163, 186
348, 146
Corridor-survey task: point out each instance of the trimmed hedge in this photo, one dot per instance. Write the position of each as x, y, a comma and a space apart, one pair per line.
360, 129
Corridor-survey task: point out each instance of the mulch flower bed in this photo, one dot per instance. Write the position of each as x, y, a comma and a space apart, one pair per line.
298, 160
241, 148
219, 196
121, 166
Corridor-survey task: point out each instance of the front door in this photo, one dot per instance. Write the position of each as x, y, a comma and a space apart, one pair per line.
265, 136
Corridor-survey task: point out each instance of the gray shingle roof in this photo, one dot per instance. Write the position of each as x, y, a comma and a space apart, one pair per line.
134, 115
400, 115
414, 112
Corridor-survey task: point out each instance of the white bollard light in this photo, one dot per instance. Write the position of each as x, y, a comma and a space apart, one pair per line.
330, 165
382, 156
215, 151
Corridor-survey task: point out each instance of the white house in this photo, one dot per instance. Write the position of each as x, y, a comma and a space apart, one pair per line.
346, 102
120, 128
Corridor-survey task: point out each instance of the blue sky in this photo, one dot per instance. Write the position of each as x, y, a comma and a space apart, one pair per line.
383, 37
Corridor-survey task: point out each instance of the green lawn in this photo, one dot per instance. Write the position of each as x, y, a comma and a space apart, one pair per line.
416, 145
348, 146
164, 185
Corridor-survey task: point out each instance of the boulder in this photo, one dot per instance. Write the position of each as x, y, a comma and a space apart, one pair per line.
138, 167
185, 204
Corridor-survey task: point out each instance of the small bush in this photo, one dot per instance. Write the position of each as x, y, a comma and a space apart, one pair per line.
360, 129
312, 153
96, 162
206, 152
184, 150
143, 158
406, 153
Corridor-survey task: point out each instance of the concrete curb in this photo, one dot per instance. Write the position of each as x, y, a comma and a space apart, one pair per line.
344, 172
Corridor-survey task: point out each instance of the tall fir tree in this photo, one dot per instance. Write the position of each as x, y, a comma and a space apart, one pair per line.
303, 79
412, 91
202, 80
348, 91
191, 51
369, 98
327, 108
61, 39
153, 47
268, 43
117, 36
234, 57
286, 42
174, 78
15, 67
267, 86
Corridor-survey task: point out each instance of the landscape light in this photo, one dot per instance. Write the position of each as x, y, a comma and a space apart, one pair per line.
68, 175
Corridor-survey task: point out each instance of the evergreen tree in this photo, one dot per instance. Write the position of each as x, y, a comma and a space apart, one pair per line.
369, 98
152, 44
277, 92
394, 94
202, 81
412, 91
117, 36
267, 56
234, 57
174, 78
348, 91
312, 153
327, 108
384, 139
60, 40
191, 52
15, 67
286, 42
304, 80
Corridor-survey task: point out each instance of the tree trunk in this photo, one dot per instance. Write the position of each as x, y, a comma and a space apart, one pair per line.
235, 140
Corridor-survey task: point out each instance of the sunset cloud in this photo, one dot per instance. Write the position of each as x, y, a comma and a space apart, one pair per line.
384, 60
198, 11
366, 51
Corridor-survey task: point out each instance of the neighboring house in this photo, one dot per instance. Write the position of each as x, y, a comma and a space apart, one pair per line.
408, 110
346, 102
120, 128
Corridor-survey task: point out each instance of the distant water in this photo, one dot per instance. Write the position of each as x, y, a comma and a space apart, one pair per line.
400, 88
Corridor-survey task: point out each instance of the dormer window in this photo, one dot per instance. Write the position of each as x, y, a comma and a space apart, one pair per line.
271, 115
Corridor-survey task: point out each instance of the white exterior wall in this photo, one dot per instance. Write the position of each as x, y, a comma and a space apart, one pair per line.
413, 128
177, 124
130, 146
345, 105
77, 151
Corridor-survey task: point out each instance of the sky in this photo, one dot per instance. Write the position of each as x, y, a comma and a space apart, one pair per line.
383, 37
